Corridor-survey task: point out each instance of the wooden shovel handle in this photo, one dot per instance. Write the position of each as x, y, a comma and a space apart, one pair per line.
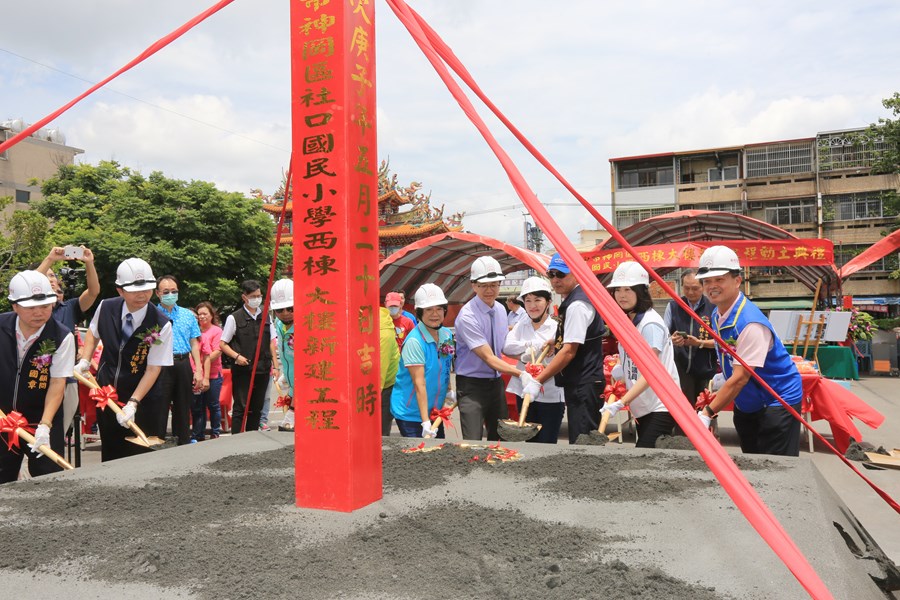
605, 418
91, 383
438, 420
543, 355
526, 401
43, 449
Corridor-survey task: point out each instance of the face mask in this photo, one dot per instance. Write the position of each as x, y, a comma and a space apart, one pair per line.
169, 299
394, 310
254, 303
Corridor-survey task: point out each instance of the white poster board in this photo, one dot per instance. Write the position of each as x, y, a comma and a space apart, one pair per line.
785, 322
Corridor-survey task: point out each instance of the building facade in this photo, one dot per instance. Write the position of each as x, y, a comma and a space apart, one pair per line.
34, 159
816, 187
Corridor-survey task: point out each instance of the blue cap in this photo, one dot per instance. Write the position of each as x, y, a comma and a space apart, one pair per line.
557, 263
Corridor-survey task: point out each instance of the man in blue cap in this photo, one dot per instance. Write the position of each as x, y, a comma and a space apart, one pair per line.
577, 366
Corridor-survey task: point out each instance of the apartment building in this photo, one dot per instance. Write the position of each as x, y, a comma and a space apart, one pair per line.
35, 158
816, 187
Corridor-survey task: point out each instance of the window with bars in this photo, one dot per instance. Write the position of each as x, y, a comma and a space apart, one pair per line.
863, 205
791, 212
848, 150
625, 218
730, 207
845, 253
780, 159
651, 176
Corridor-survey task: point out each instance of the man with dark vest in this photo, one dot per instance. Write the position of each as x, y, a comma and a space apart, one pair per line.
577, 366
36, 355
239, 343
137, 343
763, 424
695, 351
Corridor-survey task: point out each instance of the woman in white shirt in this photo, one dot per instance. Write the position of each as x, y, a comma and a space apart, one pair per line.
531, 335
631, 289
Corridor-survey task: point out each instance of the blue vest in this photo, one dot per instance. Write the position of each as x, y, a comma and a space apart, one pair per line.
123, 368
24, 388
437, 381
778, 371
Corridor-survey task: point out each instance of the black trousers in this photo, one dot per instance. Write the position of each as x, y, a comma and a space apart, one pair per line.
692, 385
386, 417
548, 414
651, 426
176, 390
583, 406
772, 430
482, 402
113, 444
247, 401
11, 459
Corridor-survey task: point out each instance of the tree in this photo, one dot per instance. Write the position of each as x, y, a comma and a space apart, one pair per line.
888, 160
25, 244
209, 239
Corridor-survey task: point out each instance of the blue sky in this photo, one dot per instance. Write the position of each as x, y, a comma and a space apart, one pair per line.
584, 80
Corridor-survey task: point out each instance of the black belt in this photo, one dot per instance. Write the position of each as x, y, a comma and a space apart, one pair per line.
181, 356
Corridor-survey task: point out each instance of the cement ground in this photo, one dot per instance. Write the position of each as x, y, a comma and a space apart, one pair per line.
686, 534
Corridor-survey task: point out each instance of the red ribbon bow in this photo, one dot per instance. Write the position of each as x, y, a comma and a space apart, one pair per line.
704, 399
283, 401
10, 425
104, 395
444, 414
616, 389
534, 369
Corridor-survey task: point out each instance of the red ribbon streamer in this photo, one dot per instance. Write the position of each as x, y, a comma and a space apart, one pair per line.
724, 468
283, 401
150, 51
616, 389
10, 425
104, 395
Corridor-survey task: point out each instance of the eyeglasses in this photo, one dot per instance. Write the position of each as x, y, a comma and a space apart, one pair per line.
490, 285
553, 274
286, 309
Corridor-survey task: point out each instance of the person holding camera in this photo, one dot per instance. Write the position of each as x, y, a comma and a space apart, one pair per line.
71, 312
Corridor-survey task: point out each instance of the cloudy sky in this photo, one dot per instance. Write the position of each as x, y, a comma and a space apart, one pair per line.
586, 81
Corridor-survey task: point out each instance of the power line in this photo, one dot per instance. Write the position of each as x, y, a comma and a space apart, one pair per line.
515, 206
156, 106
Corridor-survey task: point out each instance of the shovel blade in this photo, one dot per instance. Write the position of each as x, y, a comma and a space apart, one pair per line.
511, 431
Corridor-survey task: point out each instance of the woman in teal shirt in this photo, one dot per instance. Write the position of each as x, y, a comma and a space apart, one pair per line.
423, 380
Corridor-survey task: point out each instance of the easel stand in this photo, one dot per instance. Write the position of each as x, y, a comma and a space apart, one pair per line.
815, 329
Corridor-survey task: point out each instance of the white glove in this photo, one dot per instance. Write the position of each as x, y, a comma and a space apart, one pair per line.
612, 408
531, 387
617, 373
83, 367
704, 419
450, 398
41, 438
427, 431
718, 381
282, 382
288, 420
127, 414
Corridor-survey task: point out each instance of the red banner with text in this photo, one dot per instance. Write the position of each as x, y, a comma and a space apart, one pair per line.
338, 396
753, 253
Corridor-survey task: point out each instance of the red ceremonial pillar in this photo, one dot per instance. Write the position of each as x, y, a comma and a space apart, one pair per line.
335, 236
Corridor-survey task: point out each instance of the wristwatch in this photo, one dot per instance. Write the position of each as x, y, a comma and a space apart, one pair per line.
709, 412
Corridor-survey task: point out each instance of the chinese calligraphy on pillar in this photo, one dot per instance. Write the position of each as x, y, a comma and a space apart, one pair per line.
338, 443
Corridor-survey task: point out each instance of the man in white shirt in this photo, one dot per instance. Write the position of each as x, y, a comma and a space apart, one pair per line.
137, 343
36, 356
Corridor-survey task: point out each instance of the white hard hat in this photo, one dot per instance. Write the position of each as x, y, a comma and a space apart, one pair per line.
717, 260
627, 274
135, 275
535, 284
429, 295
485, 270
282, 294
31, 288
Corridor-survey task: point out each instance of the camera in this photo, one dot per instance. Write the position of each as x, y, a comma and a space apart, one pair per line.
69, 279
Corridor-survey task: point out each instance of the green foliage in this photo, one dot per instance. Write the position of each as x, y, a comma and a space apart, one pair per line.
209, 239
862, 325
889, 160
887, 324
23, 241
